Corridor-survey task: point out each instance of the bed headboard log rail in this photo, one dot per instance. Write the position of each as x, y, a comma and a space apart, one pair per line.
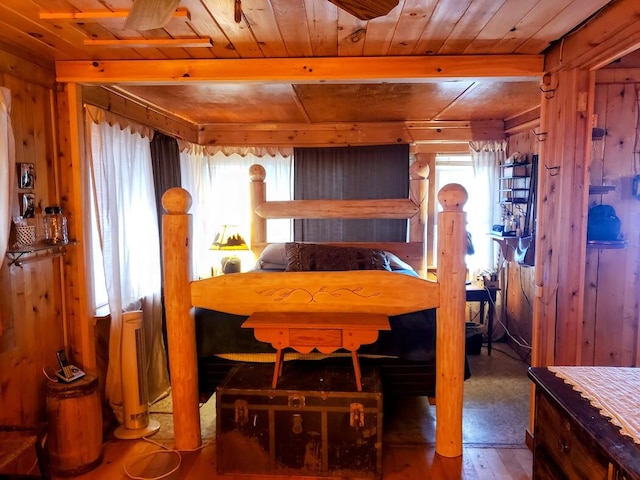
413, 208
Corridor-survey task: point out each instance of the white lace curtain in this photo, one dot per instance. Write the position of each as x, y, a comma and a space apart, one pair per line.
219, 186
7, 172
486, 156
125, 213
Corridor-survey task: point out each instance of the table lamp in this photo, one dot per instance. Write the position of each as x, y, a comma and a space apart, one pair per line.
228, 238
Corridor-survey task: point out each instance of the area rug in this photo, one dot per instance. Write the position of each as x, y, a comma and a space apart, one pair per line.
162, 412
496, 408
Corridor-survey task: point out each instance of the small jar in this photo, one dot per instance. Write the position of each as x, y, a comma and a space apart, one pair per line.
55, 226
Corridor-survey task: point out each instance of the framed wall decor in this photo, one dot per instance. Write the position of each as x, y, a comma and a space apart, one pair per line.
27, 205
27, 176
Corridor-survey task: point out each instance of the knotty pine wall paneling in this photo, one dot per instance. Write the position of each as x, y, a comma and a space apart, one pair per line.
519, 291
612, 290
30, 296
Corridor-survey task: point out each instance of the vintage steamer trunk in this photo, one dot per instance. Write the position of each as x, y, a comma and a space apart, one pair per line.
313, 423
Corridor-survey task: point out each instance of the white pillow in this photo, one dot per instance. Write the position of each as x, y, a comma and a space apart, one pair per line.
272, 257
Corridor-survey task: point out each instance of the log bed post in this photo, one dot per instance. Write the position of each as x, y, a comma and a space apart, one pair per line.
419, 194
181, 333
258, 195
450, 332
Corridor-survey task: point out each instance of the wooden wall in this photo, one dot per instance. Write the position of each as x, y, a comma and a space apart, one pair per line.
610, 334
519, 289
31, 303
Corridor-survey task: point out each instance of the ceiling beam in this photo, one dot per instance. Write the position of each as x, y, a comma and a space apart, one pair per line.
194, 42
523, 121
312, 70
99, 15
611, 34
115, 102
335, 134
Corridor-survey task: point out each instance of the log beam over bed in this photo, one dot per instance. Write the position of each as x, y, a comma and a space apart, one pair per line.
362, 291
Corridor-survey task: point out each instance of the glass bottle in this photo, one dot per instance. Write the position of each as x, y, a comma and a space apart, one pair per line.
55, 226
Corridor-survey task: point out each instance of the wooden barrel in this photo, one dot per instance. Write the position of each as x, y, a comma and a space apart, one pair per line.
74, 414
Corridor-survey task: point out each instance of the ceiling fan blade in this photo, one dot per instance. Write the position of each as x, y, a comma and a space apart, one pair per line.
150, 14
366, 9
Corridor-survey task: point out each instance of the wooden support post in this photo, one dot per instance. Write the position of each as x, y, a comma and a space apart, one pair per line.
70, 167
450, 335
562, 216
258, 195
181, 333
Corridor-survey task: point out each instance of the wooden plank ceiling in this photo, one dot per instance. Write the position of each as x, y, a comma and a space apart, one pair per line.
276, 29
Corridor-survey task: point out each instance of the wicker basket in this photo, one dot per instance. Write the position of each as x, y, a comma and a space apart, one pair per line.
26, 235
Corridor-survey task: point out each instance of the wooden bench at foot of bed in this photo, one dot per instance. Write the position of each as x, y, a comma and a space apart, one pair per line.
324, 331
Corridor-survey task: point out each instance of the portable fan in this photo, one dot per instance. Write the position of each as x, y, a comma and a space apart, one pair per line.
135, 396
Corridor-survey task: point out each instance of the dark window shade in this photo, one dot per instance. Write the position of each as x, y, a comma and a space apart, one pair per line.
165, 163
347, 173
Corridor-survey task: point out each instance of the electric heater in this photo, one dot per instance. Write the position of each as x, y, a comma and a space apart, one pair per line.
135, 397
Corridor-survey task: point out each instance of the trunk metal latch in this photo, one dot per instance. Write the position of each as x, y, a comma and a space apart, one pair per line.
296, 401
297, 423
356, 417
241, 412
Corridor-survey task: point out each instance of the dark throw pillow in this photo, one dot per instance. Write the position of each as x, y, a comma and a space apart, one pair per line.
305, 257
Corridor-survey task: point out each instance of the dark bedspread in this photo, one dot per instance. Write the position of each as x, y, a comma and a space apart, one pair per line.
412, 336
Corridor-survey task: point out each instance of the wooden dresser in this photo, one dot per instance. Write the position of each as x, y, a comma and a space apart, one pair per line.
572, 440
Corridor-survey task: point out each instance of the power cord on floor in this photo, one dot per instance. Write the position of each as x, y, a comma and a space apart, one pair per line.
163, 450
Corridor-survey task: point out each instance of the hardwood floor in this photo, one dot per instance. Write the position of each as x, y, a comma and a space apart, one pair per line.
399, 463
494, 423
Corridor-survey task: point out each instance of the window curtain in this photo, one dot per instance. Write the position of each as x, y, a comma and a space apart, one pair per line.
347, 173
165, 162
127, 225
7, 173
219, 187
485, 156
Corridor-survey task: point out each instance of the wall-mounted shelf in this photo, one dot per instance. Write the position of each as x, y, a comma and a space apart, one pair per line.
607, 244
600, 189
604, 244
514, 185
508, 244
17, 254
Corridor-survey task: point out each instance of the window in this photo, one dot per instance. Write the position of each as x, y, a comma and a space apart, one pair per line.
459, 169
219, 187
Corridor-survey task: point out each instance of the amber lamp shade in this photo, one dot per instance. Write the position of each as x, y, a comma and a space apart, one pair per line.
228, 238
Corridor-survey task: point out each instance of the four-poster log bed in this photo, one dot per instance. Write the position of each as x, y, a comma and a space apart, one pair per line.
391, 293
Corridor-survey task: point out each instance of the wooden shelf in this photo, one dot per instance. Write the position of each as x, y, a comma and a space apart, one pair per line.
607, 244
516, 164
16, 254
600, 189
